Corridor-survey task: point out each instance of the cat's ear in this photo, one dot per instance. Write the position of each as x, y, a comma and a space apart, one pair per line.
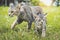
11, 5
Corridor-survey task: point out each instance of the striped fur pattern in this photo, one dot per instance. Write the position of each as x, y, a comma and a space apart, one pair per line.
30, 14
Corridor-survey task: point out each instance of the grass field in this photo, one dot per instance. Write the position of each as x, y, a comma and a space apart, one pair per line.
20, 33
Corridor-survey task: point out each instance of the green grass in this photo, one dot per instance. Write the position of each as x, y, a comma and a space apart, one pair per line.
20, 33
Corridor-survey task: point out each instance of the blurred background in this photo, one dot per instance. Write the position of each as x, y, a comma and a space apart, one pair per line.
51, 7
34, 2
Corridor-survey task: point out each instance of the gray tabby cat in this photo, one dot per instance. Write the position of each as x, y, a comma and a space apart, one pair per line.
29, 14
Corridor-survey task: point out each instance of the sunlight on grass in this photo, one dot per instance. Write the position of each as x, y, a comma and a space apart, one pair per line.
20, 33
